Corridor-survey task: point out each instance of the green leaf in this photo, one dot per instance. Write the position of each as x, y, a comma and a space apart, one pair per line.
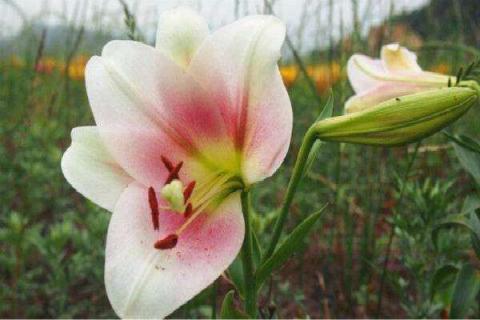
257, 250
458, 220
443, 278
228, 308
327, 112
468, 153
468, 219
289, 246
465, 292
235, 274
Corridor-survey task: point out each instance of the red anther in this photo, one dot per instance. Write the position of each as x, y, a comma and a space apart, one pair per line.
152, 200
168, 164
174, 173
168, 242
187, 192
188, 211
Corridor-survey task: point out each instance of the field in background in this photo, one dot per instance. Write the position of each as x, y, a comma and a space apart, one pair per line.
52, 239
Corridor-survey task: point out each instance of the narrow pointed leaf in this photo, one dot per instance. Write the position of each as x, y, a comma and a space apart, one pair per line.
228, 308
465, 292
468, 153
235, 274
327, 112
443, 278
288, 247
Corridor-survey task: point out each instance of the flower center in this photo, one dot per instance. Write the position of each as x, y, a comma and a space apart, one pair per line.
196, 198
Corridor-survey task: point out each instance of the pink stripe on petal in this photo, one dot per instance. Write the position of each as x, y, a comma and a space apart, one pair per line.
147, 99
237, 65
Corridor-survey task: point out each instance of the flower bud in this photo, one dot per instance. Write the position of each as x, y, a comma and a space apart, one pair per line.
400, 120
173, 194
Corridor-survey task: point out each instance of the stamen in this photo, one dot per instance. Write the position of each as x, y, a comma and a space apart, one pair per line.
174, 173
168, 164
168, 242
188, 211
187, 192
152, 200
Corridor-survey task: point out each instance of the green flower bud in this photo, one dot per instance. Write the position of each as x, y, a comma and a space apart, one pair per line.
173, 194
401, 120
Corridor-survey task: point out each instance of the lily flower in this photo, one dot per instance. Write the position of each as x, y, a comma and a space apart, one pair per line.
196, 118
395, 74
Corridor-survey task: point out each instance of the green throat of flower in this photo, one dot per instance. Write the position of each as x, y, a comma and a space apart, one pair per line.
190, 201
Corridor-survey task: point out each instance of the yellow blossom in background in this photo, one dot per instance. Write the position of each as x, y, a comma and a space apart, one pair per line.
16, 62
324, 75
289, 74
76, 70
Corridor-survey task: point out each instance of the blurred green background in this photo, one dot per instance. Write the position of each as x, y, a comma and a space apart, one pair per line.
52, 239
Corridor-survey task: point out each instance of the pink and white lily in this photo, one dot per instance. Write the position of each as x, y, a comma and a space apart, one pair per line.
196, 118
395, 74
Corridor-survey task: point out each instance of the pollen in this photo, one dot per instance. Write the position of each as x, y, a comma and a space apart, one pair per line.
187, 192
167, 163
188, 211
152, 200
168, 242
174, 173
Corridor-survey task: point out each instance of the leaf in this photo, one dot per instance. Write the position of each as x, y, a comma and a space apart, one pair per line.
327, 112
465, 292
443, 278
235, 274
468, 219
468, 153
289, 246
257, 250
458, 220
228, 308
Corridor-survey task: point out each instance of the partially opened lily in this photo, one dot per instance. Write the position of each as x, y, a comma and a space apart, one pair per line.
180, 129
396, 74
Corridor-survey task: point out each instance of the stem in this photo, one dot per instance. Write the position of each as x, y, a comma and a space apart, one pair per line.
214, 300
392, 231
298, 169
247, 259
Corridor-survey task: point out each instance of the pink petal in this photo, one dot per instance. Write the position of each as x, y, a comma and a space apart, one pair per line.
146, 106
237, 65
90, 169
144, 282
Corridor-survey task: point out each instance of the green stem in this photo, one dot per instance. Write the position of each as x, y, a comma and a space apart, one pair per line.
214, 300
392, 231
247, 259
297, 174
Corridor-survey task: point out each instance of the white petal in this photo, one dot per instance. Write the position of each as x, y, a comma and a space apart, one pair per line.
143, 282
180, 32
237, 65
90, 169
396, 58
365, 72
383, 92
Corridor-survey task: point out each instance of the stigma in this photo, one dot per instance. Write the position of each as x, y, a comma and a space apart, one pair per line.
177, 198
